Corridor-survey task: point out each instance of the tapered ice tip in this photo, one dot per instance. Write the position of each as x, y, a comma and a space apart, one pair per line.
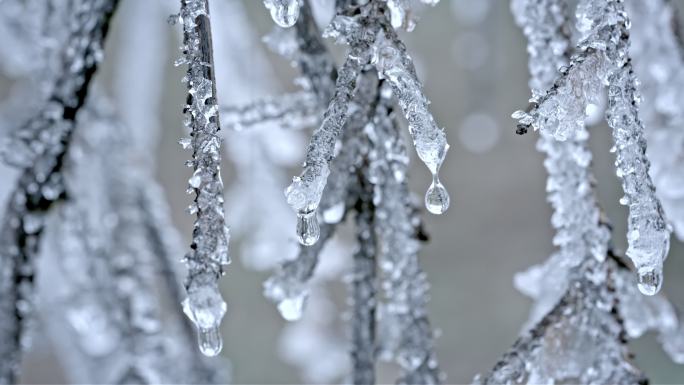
308, 230
210, 341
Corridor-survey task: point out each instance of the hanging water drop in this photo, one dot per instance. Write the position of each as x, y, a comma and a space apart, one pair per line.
437, 198
649, 280
210, 341
308, 231
283, 12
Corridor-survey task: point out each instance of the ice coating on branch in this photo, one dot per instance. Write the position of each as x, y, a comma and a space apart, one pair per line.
576, 216
283, 12
405, 334
658, 62
292, 111
648, 234
209, 250
393, 63
41, 144
603, 60
304, 194
99, 292
582, 340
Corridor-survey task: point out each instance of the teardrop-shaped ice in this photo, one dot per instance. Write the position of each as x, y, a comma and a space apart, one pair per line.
437, 198
649, 280
210, 341
308, 231
283, 12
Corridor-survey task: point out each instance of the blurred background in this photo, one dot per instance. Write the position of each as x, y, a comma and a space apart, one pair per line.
473, 62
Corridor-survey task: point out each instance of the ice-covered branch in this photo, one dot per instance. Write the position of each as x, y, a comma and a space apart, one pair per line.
39, 147
406, 336
209, 250
603, 58
295, 111
582, 340
658, 60
363, 288
304, 194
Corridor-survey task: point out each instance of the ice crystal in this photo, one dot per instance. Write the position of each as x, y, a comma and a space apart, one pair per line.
603, 59
38, 147
209, 250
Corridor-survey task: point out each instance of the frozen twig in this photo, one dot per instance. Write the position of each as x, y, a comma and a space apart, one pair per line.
209, 249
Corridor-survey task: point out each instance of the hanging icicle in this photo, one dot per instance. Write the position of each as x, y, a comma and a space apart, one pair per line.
209, 250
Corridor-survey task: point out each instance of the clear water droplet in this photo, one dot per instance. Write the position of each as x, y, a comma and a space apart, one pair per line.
649, 280
437, 198
210, 341
291, 309
283, 12
308, 231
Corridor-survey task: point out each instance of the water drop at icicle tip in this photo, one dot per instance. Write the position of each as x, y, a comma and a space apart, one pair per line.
308, 231
283, 12
649, 280
437, 198
210, 341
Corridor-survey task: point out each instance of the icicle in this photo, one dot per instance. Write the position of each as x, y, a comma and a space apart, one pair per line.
43, 142
283, 12
209, 251
394, 64
657, 52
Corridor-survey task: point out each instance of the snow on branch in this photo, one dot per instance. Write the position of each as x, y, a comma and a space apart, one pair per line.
209, 249
39, 147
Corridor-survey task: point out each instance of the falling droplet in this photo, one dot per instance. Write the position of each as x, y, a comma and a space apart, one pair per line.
649, 280
437, 198
283, 12
210, 341
291, 309
307, 228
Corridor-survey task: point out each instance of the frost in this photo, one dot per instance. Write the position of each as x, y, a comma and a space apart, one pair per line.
602, 60
209, 250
